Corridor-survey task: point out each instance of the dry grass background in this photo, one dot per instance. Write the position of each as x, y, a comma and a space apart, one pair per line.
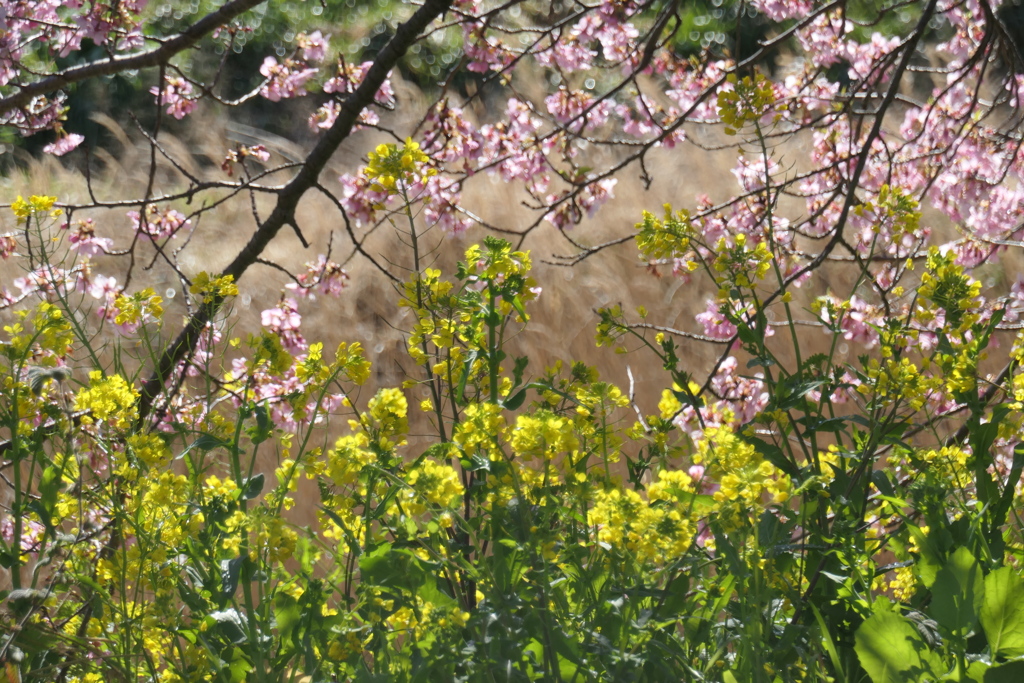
564, 317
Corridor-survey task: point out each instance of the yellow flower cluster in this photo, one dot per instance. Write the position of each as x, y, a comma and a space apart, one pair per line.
390, 165
267, 350
51, 332
599, 398
894, 207
506, 271
387, 418
273, 536
747, 101
655, 530
960, 368
945, 284
427, 284
544, 435
312, 366
210, 289
350, 359
135, 308
481, 427
111, 400
667, 237
35, 204
348, 458
904, 584
416, 619
496, 260
947, 464
149, 449
595, 404
432, 483
740, 265
897, 380
744, 476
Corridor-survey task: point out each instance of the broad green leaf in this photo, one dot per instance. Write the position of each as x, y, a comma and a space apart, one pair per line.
49, 487
1011, 672
207, 442
891, 650
253, 487
515, 400
1002, 612
957, 593
928, 565
263, 424
230, 570
239, 666
976, 671
230, 623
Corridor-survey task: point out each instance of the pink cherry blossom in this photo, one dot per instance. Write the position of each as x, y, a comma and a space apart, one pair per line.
65, 143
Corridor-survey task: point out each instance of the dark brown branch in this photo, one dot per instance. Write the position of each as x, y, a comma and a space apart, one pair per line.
289, 196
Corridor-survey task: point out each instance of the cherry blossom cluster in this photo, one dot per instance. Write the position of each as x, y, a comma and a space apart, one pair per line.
29, 28
159, 223
613, 89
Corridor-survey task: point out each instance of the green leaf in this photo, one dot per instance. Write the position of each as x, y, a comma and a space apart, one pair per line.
287, 617
1005, 502
461, 390
976, 671
774, 455
957, 592
49, 487
264, 427
891, 650
239, 666
515, 400
230, 623
1002, 612
1011, 672
826, 639
930, 562
230, 570
206, 442
253, 487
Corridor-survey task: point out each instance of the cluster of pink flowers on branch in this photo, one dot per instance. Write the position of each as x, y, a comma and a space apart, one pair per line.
880, 153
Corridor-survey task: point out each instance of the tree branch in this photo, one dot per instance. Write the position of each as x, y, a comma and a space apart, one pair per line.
289, 196
142, 60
